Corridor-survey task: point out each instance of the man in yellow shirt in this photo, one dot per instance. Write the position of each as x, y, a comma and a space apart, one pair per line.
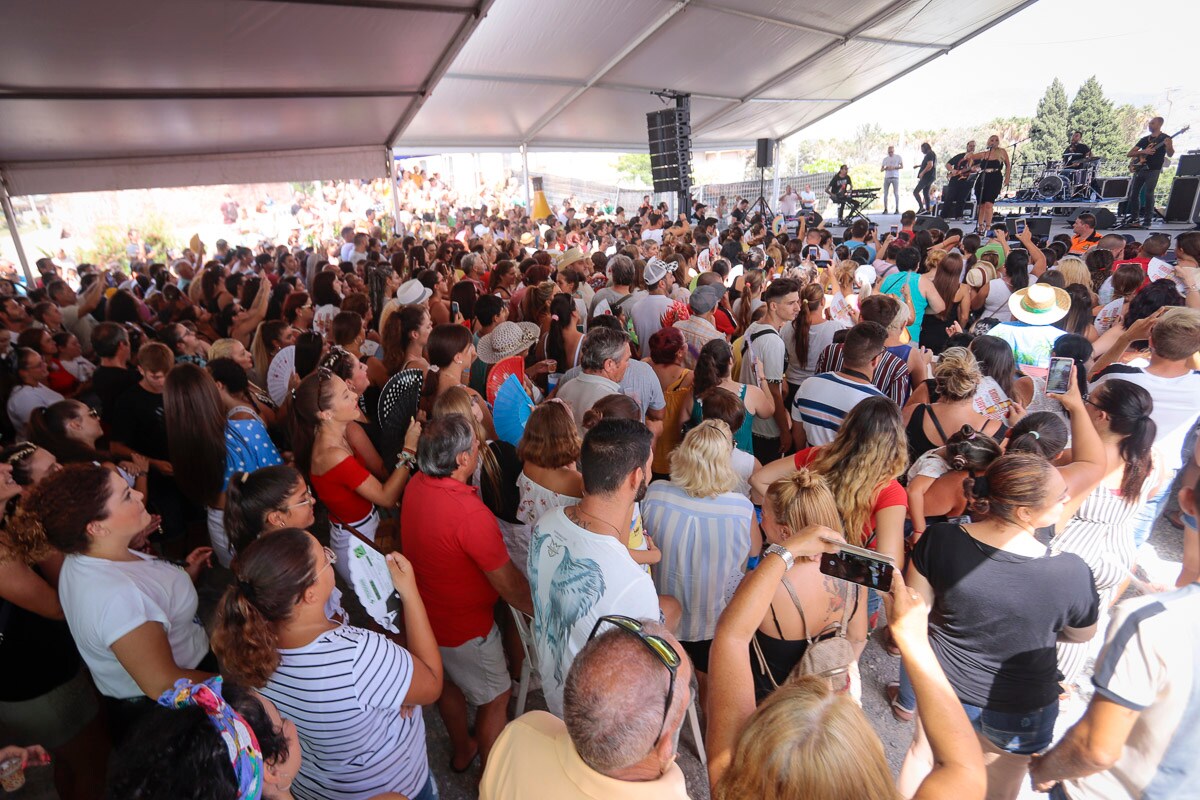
627, 692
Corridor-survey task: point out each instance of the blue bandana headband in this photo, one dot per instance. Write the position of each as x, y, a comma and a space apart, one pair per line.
244, 752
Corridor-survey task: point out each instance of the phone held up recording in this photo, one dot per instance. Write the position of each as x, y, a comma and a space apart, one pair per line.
858, 565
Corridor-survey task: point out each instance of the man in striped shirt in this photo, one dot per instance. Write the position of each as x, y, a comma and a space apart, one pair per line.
824, 400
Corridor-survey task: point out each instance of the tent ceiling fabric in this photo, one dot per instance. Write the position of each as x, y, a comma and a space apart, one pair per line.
132, 93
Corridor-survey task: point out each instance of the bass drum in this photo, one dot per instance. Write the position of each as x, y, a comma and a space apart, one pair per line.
1050, 187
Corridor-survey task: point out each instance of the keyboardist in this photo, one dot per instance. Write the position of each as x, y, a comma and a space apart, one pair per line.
839, 190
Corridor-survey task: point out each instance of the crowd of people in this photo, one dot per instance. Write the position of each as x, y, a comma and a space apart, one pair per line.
620, 447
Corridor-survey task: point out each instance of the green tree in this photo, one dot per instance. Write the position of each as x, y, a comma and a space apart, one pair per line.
635, 167
1048, 132
1093, 114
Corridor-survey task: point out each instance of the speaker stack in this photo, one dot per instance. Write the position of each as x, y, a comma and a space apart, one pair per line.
670, 136
763, 154
1183, 204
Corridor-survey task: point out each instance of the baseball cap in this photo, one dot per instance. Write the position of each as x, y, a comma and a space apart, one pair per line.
655, 271
705, 298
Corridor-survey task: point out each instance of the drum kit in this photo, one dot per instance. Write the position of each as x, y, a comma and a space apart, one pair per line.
1058, 180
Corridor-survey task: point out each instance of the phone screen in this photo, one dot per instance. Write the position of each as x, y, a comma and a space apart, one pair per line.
991, 234
1020, 226
814, 252
453, 308
874, 573
874, 226
1058, 379
895, 229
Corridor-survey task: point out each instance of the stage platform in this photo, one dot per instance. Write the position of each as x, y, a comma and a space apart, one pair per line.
1057, 225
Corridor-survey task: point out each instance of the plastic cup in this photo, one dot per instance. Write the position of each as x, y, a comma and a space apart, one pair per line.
12, 774
552, 380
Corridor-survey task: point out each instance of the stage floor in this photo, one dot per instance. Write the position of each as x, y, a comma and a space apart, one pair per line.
1057, 225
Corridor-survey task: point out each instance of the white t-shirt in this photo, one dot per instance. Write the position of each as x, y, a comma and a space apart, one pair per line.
1175, 406
647, 318
576, 577
770, 350
24, 399
743, 466
892, 165
995, 306
347, 249
583, 392
654, 234
1150, 664
104, 600
343, 690
820, 336
789, 204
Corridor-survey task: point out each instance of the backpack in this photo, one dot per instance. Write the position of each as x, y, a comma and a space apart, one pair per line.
827, 658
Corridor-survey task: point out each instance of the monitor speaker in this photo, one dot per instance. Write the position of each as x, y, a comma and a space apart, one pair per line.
1184, 201
762, 154
1105, 218
1039, 227
927, 222
1189, 164
1110, 188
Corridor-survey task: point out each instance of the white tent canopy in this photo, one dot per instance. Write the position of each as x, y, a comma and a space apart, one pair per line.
140, 93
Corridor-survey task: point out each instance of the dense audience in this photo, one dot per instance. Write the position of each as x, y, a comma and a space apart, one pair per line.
618, 457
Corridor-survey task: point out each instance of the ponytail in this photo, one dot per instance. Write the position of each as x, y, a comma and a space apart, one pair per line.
712, 366
562, 307
270, 577
812, 297
1128, 407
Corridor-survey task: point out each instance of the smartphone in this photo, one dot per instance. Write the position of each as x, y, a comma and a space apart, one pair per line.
858, 565
895, 229
814, 252
1020, 226
874, 226
991, 234
453, 309
1058, 379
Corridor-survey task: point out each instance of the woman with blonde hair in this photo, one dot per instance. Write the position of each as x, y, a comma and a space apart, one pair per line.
806, 742
705, 530
956, 379
1075, 271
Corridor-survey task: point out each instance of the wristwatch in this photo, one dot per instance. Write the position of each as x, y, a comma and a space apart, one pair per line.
789, 560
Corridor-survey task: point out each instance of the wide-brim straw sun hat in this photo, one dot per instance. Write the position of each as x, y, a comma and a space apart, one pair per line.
1039, 304
507, 339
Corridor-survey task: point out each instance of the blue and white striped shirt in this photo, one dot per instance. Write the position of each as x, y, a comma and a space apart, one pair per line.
704, 542
824, 400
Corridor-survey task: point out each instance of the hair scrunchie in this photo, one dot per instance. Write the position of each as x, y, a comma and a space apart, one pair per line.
244, 752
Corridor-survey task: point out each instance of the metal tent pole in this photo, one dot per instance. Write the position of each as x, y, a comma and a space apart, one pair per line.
391, 171
11, 217
775, 178
525, 176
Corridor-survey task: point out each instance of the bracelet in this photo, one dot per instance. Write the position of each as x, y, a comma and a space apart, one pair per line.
406, 459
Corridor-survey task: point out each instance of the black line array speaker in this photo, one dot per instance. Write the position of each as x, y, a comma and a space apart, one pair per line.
1189, 164
1110, 188
670, 137
763, 154
1183, 204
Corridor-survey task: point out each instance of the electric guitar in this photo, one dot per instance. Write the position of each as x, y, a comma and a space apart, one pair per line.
965, 169
1138, 163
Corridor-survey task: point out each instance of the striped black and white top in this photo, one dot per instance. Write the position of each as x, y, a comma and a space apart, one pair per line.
343, 691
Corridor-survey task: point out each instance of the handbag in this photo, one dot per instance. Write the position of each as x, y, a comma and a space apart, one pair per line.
828, 658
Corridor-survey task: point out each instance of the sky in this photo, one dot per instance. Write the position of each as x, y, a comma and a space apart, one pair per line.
1071, 40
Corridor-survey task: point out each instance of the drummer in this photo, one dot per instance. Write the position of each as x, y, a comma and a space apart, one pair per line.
1077, 152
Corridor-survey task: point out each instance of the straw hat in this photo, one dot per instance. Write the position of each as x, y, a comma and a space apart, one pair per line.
569, 257
507, 339
526, 238
981, 273
1040, 304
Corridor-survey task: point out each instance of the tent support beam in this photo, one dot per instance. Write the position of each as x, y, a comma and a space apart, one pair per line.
606, 68
525, 177
791, 72
465, 29
800, 26
68, 93
395, 189
10, 217
385, 5
775, 170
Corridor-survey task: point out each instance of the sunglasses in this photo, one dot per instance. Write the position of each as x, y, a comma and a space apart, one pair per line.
657, 645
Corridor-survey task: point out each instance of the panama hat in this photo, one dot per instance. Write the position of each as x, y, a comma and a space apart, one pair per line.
527, 238
569, 257
412, 292
1040, 304
507, 339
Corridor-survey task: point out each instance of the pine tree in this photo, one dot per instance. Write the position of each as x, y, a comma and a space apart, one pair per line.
1048, 133
1093, 114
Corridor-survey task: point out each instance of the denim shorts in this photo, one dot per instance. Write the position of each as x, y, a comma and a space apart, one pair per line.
1020, 733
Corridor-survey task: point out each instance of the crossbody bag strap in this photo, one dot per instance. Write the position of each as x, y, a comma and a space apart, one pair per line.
762, 661
936, 423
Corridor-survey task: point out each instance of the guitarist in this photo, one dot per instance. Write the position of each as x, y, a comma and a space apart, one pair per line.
1149, 154
958, 188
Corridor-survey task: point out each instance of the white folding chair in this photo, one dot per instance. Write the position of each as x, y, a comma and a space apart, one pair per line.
523, 622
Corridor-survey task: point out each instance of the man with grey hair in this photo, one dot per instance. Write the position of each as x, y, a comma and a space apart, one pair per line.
625, 699
462, 567
473, 267
603, 356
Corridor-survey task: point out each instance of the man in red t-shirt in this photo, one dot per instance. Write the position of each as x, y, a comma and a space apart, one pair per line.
462, 567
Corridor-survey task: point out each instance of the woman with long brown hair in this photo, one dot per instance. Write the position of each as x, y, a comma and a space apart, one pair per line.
344, 688
713, 369
806, 336
404, 337
947, 282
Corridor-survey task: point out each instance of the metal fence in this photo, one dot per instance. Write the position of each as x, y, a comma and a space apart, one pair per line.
559, 188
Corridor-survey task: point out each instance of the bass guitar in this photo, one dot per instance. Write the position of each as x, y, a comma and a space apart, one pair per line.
1138, 163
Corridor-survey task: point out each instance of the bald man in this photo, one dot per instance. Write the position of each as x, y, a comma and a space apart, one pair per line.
620, 736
